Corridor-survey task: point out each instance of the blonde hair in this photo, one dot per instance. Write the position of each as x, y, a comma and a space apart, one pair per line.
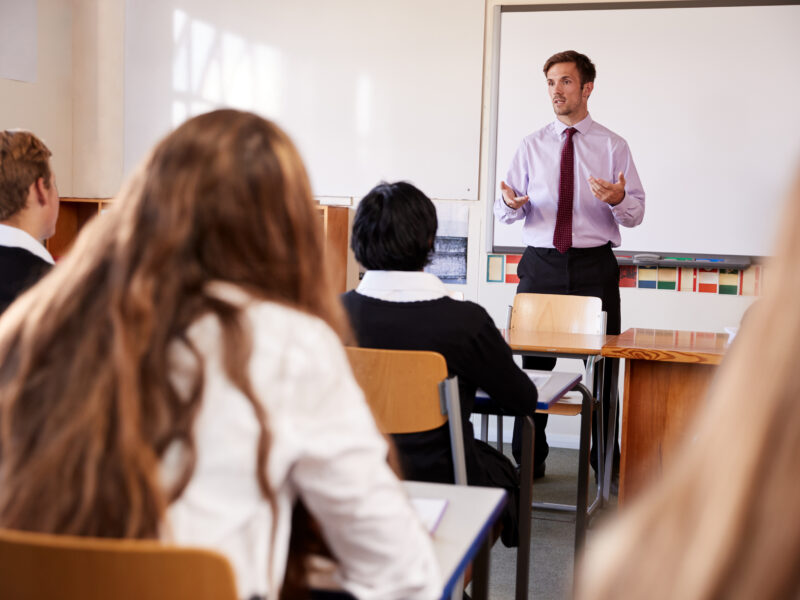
87, 405
723, 521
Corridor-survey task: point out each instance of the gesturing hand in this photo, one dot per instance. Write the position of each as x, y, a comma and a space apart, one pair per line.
510, 199
610, 193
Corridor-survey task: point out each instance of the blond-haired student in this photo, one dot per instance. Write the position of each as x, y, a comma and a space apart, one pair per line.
723, 521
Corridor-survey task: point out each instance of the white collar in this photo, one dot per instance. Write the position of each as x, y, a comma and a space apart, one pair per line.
14, 237
402, 286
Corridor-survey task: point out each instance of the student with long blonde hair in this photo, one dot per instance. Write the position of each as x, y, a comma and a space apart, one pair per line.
723, 520
180, 375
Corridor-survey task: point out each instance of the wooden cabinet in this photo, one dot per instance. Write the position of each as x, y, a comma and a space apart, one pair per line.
335, 224
73, 214
76, 212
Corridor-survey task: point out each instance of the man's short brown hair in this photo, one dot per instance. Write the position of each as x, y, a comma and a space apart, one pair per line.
584, 65
23, 159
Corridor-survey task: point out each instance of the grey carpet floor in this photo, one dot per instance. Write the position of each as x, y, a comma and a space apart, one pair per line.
552, 536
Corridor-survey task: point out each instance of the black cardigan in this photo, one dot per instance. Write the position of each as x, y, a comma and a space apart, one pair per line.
19, 270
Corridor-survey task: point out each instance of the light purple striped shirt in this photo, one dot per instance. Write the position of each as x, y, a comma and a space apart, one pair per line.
535, 171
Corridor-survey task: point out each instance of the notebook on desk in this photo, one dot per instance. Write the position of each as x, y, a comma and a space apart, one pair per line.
551, 385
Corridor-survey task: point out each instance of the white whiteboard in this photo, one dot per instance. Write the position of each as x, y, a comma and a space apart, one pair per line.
368, 89
705, 97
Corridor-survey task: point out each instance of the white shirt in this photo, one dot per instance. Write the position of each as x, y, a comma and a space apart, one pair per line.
325, 447
535, 171
14, 237
402, 286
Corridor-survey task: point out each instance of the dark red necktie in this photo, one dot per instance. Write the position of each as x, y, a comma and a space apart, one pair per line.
562, 236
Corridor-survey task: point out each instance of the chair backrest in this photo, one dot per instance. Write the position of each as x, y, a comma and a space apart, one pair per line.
557, 313
409, 392
37, 566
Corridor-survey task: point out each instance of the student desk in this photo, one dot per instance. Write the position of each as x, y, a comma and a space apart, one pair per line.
667, 374
464, 533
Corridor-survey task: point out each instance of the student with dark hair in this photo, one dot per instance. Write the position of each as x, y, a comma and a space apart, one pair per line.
28, 212
398, 306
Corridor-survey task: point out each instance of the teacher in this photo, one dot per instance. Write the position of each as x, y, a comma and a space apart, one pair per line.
574, 183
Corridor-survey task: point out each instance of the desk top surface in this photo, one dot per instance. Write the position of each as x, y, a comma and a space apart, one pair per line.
555, 342
668, 345
467, 520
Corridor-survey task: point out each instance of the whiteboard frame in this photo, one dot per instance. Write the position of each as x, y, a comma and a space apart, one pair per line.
497, 12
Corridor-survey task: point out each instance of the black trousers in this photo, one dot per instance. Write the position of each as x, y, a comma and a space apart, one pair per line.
578, 272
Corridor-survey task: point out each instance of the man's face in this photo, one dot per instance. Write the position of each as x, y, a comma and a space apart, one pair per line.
566, 93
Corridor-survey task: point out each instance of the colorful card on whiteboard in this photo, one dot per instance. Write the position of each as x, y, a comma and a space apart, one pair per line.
707, 280
495, 268
512, 260
648, 277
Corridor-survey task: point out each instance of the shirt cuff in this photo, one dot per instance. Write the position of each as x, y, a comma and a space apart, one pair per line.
620, 210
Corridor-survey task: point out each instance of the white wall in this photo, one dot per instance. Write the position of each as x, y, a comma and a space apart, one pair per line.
98, 45
92, 102
45, 106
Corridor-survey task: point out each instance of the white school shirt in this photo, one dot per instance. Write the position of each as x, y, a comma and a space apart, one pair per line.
14, 237
325, 448
402, 286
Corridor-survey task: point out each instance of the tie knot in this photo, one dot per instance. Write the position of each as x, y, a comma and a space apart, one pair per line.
570, 131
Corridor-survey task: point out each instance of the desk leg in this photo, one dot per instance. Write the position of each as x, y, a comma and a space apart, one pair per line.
613, 407
480, 571
525, 501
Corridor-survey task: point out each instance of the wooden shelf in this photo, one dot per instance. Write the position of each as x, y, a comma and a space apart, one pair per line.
74, 213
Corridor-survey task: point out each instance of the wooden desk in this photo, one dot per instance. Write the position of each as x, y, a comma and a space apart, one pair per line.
667, 374
465, 529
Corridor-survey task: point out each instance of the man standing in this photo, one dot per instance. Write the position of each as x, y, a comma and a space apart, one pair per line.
574, 183
28, 212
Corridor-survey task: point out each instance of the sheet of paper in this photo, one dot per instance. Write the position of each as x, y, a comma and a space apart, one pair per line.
539, 380
430, 511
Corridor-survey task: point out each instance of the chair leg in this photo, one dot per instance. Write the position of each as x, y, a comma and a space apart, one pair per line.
499, 432
581, 516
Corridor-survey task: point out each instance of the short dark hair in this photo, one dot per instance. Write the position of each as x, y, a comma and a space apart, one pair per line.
394, 228
23, 160
583, 63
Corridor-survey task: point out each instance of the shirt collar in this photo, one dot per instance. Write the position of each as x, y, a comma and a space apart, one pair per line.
582, 126
402, 286
14, 237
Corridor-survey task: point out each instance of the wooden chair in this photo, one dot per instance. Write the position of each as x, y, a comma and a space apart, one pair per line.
36, 566
552, 313
409, 392
540, 313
